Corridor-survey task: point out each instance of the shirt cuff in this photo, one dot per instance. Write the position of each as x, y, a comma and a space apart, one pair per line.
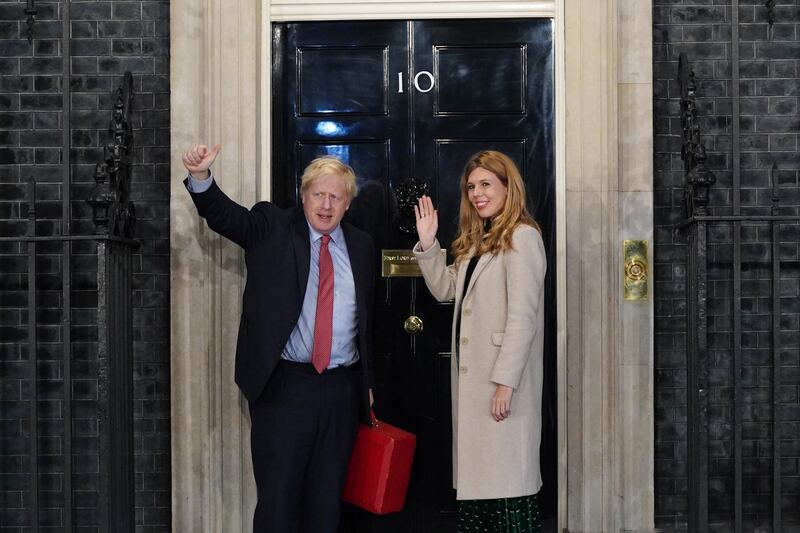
198, 186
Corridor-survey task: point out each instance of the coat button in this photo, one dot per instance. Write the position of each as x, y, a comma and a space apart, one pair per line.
464, 341
463, 370
467, 312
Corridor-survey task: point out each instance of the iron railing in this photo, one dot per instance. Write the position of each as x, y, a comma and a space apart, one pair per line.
697, 223
114, 221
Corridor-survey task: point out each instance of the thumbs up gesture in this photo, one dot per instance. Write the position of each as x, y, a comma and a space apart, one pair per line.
199, 158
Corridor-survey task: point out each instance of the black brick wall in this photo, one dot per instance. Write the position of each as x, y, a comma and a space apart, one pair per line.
108, 37
770, 124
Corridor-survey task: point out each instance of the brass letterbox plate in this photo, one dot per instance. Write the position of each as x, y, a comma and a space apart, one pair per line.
636, 277
400, 264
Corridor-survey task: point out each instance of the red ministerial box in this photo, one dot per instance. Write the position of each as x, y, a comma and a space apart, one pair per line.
380, 468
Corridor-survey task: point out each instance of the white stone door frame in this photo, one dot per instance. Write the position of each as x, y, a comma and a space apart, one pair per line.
221, 92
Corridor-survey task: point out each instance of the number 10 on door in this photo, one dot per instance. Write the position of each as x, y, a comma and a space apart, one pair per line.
430, 82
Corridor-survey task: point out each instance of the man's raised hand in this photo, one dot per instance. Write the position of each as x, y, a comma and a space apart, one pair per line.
198, 160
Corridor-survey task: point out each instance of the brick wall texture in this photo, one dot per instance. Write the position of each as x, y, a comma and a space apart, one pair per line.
769, 124
107, 38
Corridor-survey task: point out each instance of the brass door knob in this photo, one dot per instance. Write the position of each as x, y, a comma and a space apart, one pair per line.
413, 325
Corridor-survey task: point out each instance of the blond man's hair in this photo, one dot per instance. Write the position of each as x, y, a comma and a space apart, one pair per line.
329, 165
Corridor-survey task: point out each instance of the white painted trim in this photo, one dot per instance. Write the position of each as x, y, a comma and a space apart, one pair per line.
292, 10
264, 107
559, 44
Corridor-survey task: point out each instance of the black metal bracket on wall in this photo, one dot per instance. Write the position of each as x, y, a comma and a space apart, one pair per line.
696, 194
770, 5
113, 211
30, 14
114, 216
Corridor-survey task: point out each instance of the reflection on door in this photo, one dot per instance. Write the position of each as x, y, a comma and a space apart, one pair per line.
414, 99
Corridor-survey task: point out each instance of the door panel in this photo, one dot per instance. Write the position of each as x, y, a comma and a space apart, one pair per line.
479, 79
336, 80
397, 99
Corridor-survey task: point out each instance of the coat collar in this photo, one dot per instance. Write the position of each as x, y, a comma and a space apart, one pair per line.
358, 260
302, 249
484, 260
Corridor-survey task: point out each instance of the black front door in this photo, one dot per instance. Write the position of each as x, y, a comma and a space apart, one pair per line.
414, 99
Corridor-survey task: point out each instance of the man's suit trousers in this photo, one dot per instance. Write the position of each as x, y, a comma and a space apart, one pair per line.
303, 431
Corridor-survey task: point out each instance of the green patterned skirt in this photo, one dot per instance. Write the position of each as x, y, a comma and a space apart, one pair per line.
504, 515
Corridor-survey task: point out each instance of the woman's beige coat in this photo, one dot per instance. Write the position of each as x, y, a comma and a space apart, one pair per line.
502, 324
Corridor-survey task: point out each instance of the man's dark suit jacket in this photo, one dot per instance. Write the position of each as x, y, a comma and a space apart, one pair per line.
277, 255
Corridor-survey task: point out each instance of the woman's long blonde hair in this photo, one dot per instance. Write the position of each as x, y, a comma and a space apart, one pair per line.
471, 234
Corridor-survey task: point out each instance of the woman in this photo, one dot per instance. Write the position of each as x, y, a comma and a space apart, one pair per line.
497, 283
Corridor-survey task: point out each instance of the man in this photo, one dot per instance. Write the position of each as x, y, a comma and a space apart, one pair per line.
303, 351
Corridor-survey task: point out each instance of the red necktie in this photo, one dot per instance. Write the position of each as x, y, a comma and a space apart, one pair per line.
323, 324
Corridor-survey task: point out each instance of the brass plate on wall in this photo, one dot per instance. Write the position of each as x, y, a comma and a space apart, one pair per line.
400, 264
636, 275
